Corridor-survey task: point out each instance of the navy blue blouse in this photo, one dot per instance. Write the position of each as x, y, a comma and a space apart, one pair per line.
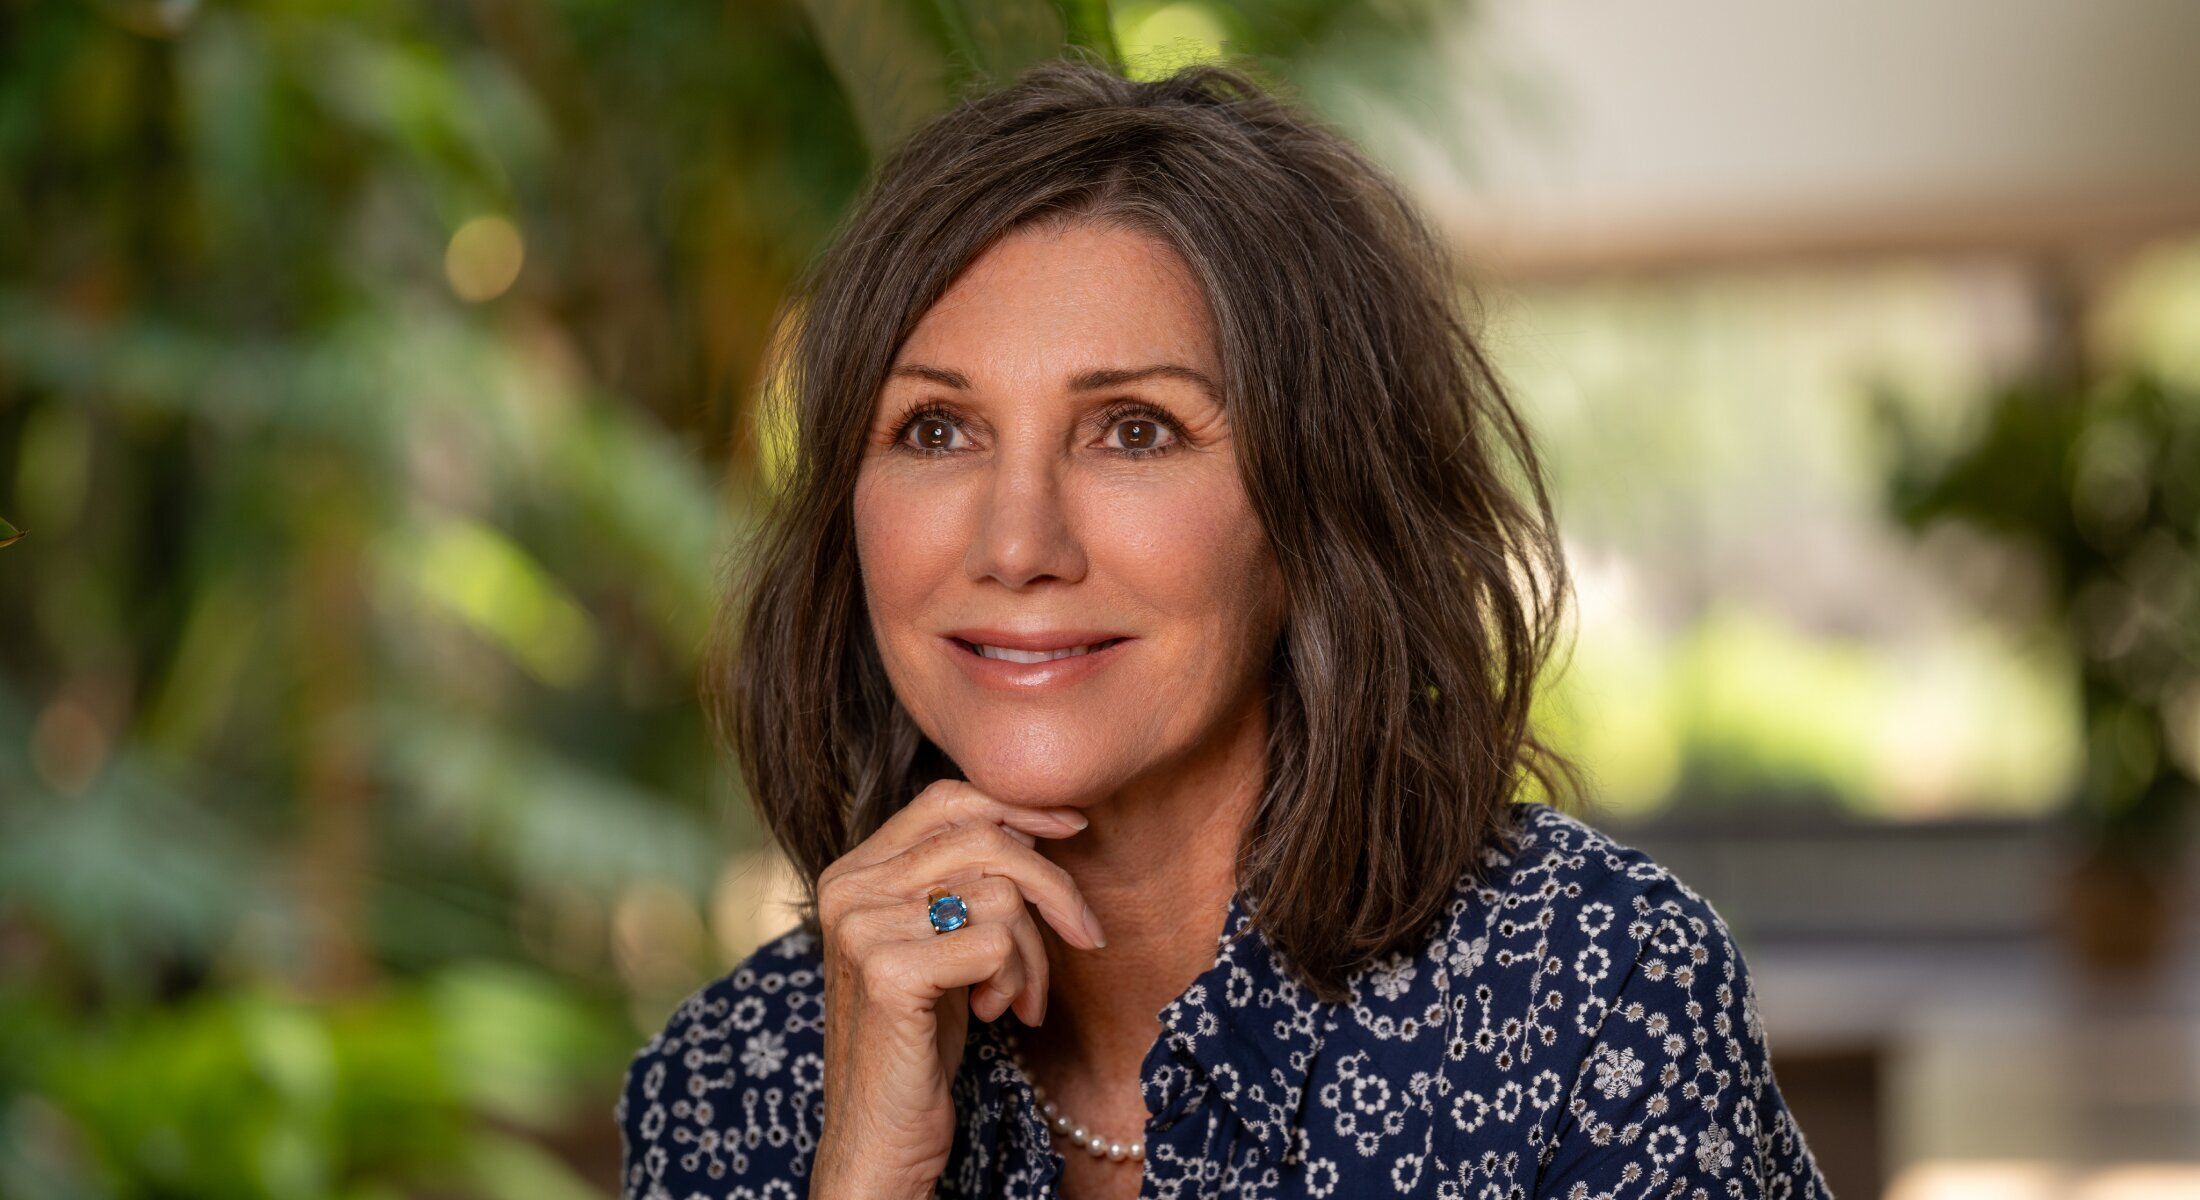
1582, 1027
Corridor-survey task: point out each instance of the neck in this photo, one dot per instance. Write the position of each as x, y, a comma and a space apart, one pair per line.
1158, 864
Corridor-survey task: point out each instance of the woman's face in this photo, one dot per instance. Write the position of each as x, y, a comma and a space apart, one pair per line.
1049, 467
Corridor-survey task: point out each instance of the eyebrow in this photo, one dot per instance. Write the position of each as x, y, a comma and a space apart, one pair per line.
1083, 381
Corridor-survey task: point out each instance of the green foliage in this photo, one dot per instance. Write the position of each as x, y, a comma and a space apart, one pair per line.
376, 379
901, 62
2093, 491
433, 1085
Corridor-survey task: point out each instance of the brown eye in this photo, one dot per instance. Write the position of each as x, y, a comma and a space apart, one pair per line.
933, 434
1142, 435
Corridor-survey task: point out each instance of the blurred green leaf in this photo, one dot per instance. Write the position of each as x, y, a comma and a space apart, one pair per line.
367, 678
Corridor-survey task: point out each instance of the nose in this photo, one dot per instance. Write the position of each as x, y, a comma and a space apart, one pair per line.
1026, 530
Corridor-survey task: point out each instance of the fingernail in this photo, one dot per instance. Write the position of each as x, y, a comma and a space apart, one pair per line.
1092, 926
1072, 818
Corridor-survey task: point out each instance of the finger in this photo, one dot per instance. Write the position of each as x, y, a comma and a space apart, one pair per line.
948, 802
1023, 984
991, 996
1031, 1002
966, 852
943, 805
992, 899
875, 922
929, 967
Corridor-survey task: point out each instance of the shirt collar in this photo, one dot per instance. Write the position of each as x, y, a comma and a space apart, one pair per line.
1245, 1029
1253, 1032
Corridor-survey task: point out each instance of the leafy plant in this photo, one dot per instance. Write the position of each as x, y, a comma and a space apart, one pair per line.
2091, 493
377, 382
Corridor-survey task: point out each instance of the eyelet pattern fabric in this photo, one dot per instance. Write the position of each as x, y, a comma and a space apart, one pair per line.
1582, 1026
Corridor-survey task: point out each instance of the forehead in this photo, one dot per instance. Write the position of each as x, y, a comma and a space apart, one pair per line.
1064, 297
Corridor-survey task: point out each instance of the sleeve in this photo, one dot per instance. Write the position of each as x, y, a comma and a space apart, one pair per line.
666, 1121
1676, 1097
723, 1101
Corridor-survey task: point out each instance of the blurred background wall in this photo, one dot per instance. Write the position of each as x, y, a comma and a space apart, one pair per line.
374, 394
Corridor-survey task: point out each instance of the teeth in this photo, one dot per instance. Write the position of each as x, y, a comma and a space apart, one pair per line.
1035, 656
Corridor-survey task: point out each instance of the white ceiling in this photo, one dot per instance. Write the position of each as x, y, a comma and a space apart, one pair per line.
1626, 130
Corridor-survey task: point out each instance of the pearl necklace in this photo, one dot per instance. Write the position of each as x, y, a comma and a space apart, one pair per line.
1062, 1125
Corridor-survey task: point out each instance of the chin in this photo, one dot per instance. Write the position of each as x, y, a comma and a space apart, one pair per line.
1032, 776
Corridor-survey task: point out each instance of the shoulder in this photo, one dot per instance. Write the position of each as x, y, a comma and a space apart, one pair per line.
1625, 940
1561, 877
730, 1089
1555, 882
1541, 937
1581, 1018
1643, 999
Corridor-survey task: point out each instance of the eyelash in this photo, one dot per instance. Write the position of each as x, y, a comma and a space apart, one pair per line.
1115, 414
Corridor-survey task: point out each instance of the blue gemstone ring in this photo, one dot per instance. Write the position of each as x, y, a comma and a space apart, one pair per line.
947, 911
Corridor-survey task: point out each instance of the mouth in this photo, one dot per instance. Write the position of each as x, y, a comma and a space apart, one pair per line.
1015, 655
1032, 664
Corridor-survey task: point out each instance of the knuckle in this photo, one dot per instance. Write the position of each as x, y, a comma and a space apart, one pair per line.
843, 938
832, 902
946, 793
998, 839
960, 793
880, 971
1000, 893
972, 836
937, 789
837, 898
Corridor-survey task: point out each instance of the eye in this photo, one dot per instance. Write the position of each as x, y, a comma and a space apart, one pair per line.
935, 431
1135, 429
1146, 430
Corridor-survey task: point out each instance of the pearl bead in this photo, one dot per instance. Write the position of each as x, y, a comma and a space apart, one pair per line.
1093, 1142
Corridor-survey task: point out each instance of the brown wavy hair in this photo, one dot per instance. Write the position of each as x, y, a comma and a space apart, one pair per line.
1374, 438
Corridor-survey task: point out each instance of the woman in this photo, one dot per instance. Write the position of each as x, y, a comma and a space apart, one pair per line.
1141, 645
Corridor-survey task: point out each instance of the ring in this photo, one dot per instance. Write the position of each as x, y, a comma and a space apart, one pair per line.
946, 910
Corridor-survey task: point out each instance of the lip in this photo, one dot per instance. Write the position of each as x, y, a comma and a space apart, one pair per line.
1044, 639
1003, 675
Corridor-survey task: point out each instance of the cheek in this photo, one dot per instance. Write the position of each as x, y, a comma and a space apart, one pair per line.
1201, 557
902, 547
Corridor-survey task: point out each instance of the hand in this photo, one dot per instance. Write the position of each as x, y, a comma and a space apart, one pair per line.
898, 997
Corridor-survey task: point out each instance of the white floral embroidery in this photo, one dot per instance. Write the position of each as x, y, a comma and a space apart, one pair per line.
1580, 1025
1391, 980
1618, 1071
765, 1051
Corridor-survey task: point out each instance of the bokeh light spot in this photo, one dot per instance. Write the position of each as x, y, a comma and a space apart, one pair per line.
484, 258
1157, 39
